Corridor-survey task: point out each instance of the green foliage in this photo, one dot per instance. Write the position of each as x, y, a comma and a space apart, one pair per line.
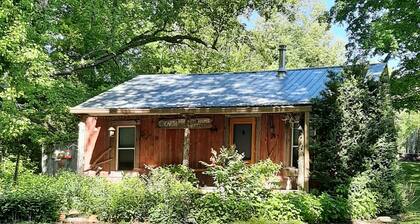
233, 177
361, 200
386, 27
218, 208
127, 201
308, 205
334, 209
165, 196
183, 173
355, 126
171, 195
308, 38
407, 122
56, 54
32, 199
85, 194
278, 208
265, 221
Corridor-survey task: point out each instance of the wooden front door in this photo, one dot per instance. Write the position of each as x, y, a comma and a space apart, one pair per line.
242, 135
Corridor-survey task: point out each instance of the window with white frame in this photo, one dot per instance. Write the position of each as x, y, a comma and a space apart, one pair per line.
126, 147
294, 155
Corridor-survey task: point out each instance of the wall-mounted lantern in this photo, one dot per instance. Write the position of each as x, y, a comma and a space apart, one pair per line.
111, 131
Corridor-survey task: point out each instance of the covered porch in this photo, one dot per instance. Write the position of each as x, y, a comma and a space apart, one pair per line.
117, 142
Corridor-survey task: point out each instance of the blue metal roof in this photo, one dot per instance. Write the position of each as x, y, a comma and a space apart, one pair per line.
237, 89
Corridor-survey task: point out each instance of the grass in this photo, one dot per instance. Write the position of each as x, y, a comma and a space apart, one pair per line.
412, 176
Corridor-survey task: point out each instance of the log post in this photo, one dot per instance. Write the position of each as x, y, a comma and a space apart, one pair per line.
81, 147
301, 160
306, 148
186, 151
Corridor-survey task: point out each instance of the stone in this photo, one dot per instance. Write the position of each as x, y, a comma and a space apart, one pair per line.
385, 219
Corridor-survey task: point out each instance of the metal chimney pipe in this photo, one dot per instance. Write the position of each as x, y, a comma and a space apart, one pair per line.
282, 60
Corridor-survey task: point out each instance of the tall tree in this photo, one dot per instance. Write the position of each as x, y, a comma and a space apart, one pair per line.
54, 54
308, 38
386, 28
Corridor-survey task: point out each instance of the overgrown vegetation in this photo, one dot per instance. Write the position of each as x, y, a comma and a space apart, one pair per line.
170, 195
354, 152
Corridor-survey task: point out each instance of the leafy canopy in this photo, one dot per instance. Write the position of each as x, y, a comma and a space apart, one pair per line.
386, 27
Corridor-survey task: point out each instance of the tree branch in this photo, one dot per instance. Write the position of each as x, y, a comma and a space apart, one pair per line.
135, 42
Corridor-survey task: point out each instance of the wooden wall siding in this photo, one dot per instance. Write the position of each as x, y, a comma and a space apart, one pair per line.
272, 138
101, 143
160, 146
203, 140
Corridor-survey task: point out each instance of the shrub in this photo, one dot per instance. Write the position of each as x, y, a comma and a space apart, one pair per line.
127, 201
361, 199
83, 193
265, 221
183, 173
218, 208
33, 199
233, 177
170, 195
308, 205
278, 208
334, 209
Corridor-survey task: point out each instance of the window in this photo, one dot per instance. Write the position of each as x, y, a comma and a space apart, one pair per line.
242, 134
294, 145
126, 147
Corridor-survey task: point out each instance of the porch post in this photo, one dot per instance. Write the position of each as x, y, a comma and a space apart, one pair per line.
306, 134
186, 151
81, 147
301, 160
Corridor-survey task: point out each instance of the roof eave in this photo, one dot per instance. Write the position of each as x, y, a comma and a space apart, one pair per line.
175, 111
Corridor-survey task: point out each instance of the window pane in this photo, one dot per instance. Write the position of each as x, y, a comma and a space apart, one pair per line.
295, 156
126, 159
242, 138
126, 137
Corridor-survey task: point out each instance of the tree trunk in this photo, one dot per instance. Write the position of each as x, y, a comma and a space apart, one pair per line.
15, 176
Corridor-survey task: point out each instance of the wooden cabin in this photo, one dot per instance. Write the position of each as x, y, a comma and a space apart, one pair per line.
155, 120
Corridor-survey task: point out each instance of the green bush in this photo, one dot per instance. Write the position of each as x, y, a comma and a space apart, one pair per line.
171, 196
33, 199
265, 221
278, 208
127, 201
183, 173
334, 209
233, 177
301, 206
361, 199
218, 208
308, 205
82, 193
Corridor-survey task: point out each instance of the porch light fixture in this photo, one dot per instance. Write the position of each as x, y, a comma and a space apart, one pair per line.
111, 131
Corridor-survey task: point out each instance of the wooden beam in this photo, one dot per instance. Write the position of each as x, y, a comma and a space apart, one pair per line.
186, 150
177, 111
301, 158
306, 148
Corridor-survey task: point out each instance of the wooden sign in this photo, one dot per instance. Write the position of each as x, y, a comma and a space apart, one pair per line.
180, 123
